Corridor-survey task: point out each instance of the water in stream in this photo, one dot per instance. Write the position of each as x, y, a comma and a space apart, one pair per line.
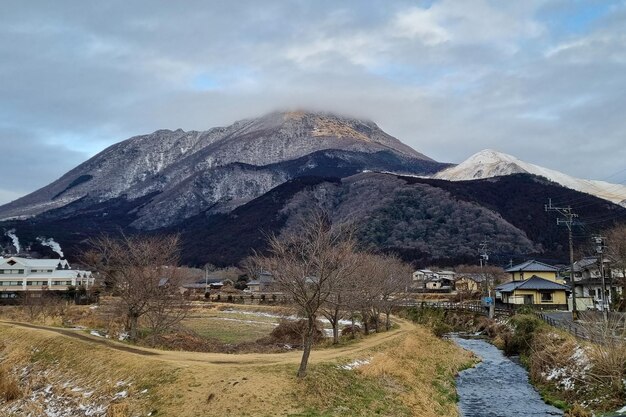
497, 387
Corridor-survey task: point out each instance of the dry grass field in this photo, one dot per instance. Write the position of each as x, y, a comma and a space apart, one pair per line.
403, 372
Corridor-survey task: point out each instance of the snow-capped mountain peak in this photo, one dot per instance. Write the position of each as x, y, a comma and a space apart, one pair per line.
490, 163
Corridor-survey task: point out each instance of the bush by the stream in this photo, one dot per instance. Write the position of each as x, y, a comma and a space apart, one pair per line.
519, 340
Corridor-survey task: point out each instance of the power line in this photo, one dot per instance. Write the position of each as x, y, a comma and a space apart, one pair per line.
567, 221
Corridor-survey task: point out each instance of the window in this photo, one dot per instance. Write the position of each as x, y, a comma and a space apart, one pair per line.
10, 283
36, 283
11, 271
546, 297
8, 295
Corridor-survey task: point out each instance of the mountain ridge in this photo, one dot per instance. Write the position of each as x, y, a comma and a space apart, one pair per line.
490, 163
165, 159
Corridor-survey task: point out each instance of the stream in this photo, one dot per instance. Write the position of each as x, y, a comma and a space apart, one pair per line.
497, 386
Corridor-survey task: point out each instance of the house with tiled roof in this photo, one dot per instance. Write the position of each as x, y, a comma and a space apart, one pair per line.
531, 268
534, 283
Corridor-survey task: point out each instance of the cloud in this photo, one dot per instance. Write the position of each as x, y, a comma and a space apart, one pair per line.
541, 79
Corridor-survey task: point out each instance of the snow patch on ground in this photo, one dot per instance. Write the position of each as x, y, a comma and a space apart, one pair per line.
357, 363
573, 373
48, 394
328, 332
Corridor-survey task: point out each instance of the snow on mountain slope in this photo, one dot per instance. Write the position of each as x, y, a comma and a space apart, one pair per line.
489, 163
192, 171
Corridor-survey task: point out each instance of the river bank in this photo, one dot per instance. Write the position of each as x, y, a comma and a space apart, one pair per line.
579, 377
497, 386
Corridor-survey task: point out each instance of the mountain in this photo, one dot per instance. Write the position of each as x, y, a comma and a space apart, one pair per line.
425, 221
224, 190
489, 163
186, 173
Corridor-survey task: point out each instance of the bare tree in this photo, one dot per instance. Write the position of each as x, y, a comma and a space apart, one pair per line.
31, 304
363, 292
141, 271
393, 283
336, 306
308, 265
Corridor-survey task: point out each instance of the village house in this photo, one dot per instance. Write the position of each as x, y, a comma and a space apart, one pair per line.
263, 283
588, 282
469, 282
534, 283
204, 285
425, 280
19, 275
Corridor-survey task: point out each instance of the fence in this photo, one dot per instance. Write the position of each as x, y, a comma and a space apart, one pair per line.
591, 327
475, 307
575, 329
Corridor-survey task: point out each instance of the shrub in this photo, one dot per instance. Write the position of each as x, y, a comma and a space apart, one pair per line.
291, 332
9, 388
577, 411
520, 340
351, 331
118, 410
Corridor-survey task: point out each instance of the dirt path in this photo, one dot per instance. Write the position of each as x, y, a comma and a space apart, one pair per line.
244, 359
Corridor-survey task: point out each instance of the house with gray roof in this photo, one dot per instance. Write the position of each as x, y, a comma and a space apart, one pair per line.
535, 291
531, 268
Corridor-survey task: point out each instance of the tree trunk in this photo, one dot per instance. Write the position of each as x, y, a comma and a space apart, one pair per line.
308, 343
366, 324
132, 322
335, 323
387, 321
623, 306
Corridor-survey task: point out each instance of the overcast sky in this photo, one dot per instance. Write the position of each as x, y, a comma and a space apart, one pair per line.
544, 80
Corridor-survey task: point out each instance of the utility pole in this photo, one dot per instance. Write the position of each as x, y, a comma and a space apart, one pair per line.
206, 278
484, 257
568, 221
600, 246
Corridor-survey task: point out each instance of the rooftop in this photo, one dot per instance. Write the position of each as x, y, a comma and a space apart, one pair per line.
532, 266
533, 283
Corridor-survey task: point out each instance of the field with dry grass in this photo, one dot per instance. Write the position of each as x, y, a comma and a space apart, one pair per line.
403, 372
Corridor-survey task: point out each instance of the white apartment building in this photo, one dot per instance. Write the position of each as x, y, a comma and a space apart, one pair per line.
24, 274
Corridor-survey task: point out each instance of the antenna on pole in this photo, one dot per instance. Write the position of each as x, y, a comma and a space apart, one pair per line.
567, 221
